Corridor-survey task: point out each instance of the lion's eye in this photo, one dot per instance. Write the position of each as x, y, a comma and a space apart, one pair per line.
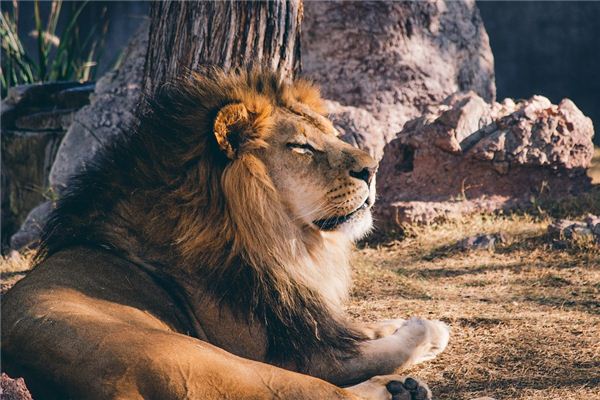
301, 148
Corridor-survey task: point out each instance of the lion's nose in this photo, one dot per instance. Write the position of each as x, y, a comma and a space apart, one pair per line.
365, 174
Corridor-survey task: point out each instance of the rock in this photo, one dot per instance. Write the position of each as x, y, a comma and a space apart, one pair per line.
8, 113
468, 156
593, 222
578, 231
394, 59
13, 389
480, 242
25, 100
28, 236
109, 113
587, 230
559, 226
358, 127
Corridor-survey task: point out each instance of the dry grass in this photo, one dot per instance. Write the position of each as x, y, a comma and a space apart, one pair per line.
525, 318
13, 268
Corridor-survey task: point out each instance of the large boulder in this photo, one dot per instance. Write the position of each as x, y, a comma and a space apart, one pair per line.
358, 127
468, 156
13, 389
393, 59
109, 114
31, 229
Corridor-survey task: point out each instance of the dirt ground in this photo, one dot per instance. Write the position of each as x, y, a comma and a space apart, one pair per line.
525, 317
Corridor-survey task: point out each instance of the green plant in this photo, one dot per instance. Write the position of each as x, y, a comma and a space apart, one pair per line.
58, 56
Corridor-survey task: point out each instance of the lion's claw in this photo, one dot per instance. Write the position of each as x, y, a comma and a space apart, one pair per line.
410, 389
396, 387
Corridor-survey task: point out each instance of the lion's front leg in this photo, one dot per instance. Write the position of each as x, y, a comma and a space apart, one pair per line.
415, 341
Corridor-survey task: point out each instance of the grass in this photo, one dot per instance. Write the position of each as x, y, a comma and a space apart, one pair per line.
12, 268
525, 317
60, 55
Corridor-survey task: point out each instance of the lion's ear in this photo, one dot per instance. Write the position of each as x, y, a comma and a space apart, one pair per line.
230, 124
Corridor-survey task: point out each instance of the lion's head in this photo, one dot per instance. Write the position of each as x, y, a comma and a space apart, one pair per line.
325, 183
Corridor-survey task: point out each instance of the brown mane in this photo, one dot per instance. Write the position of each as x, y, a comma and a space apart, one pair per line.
165, 196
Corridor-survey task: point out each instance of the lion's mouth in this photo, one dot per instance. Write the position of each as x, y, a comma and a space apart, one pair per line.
329, 224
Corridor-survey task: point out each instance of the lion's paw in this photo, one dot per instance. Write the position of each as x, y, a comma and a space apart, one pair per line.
392, 387
430, 337
380, 329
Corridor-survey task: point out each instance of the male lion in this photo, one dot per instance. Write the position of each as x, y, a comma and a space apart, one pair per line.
205, 256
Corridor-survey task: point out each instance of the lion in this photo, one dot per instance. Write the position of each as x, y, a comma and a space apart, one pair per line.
205, 255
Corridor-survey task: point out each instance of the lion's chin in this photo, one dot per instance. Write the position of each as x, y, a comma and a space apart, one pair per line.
358, 226
355, 225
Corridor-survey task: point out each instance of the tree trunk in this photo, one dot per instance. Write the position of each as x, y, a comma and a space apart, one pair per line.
190, 35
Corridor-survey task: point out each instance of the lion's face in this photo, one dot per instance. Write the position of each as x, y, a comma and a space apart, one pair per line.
326, 183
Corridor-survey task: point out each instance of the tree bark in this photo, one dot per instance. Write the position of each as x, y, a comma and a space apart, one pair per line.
189, 35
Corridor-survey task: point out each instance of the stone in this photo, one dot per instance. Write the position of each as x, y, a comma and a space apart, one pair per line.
466, 156
358, 127
394, 59
24, 100
108, 115
28, 236
480, 242
558, 227
587, 230
74, 97
8, 113
578, 231
593, 222
13, 389
40, 94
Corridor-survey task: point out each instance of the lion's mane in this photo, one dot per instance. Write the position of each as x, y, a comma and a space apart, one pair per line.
166, 196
